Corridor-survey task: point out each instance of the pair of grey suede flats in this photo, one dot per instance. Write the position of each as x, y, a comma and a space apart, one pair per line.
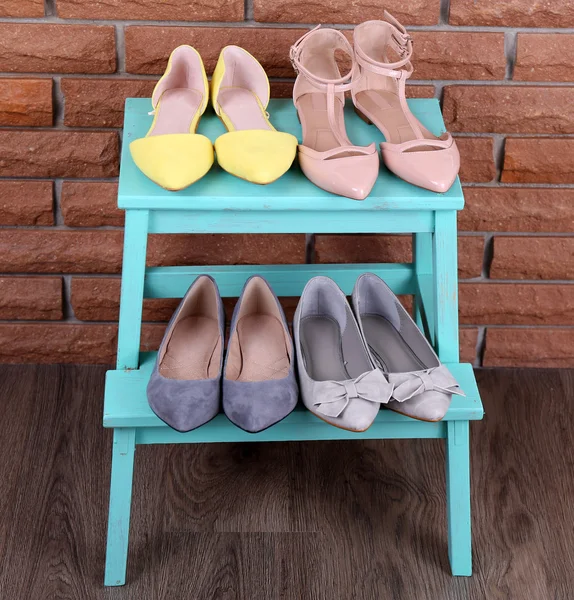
256, 383
351, 362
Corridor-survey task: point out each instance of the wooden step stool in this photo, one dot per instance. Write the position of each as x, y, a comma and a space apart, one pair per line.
221, 203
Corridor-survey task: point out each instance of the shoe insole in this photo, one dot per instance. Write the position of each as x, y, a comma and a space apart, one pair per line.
190, 349
176, 110
317, 131
242, 109
388, 347
385, 111
322, 349
264, 354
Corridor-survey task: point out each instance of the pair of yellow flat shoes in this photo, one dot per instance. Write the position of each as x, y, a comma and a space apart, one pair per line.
174, 156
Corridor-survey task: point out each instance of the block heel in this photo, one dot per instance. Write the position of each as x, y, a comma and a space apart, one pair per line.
363, 117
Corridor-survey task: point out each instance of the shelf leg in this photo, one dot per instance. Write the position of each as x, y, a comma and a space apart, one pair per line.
131, 302
424, 298
120, 503
446, 285
457, 440
458, 497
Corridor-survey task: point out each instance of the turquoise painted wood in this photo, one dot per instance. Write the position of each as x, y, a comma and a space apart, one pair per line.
458, 497
131, 298
423, 259
120, 503
289, 221
286, 280
219, 191
220, 203
446, 285
125, 404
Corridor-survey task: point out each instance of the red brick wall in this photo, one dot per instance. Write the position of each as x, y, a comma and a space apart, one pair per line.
503, 69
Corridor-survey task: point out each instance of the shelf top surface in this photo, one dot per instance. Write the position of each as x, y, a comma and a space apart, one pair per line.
126, 402
219, 190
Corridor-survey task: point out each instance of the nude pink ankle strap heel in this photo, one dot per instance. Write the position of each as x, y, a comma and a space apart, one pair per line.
378, 90
327, 156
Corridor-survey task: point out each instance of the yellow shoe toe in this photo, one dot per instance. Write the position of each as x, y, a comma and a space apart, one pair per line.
173, 161
257, 155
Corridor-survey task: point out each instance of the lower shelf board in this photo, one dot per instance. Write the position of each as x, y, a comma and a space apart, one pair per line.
126, 405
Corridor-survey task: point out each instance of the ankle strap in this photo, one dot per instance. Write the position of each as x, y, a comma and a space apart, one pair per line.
398, 39
342, 84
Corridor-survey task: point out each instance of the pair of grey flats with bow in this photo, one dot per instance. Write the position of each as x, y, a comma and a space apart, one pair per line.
351, 362
255, 383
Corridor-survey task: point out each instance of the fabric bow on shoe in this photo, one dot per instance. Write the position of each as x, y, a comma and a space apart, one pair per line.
334, 396
437, 379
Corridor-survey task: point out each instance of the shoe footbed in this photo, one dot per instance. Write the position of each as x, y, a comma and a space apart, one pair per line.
242, 109
322, 349
191, 349
385, 111
176, 111
388, 347
261, 341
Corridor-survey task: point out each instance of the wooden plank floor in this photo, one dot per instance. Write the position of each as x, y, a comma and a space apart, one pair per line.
316, 520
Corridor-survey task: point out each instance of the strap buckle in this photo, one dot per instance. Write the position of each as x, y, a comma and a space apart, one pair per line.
402, 40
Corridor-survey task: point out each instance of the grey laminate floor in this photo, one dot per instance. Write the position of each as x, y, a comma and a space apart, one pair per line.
316, 520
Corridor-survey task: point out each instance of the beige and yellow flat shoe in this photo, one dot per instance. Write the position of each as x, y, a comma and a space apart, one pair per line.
252, 148
172, 154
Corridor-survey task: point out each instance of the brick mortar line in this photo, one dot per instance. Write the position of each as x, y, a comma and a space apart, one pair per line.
480, 347
76, 321
534, 186
487, 184
498, 137
476, 280
539, 327
528, 234
67, 308
70, 179
461, 233
444, 12
57, 195
248, 10
309, 248
414, 83
59, 103
510, 51
252, 24
498, 151
120, 48
50, 9
488, 255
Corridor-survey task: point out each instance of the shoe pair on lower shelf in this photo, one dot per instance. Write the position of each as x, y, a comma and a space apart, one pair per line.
255, 382
352, 361
349, 364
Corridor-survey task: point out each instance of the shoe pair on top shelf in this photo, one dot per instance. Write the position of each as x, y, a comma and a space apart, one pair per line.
349, 362
174, 156
380, 66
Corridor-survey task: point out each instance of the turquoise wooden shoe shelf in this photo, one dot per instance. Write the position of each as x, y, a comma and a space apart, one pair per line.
221, 203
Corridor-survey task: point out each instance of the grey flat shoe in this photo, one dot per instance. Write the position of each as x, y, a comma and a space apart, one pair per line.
422, 386
339, 382
184, 388
259, 384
